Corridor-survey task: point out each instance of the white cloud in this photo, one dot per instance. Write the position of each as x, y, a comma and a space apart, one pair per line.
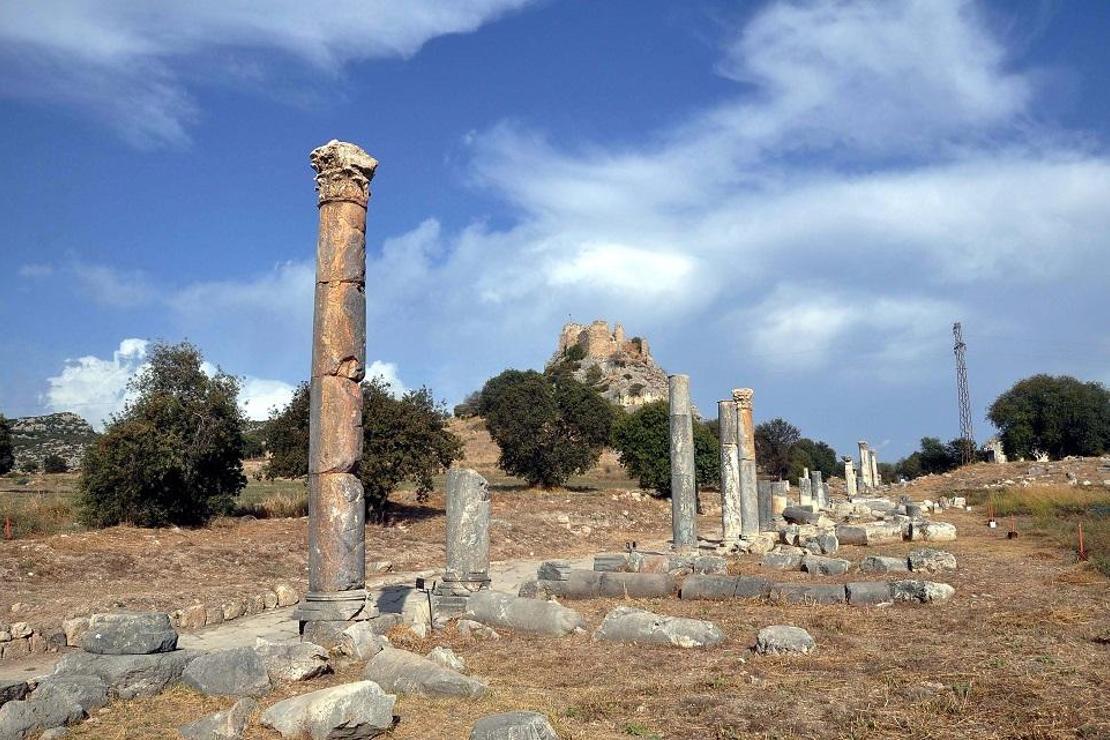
113, 287
389, 374
36, 270
258, 396
131, 64
95, 388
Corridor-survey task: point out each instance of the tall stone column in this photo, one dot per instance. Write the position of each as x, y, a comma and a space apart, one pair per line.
817, 485
849, 478
728, 421
749, 494
805, 493
336, 508
876, 478
468, 514
684, 523
865, 464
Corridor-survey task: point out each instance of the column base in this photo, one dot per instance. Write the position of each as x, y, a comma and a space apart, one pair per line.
335, 606
450, 597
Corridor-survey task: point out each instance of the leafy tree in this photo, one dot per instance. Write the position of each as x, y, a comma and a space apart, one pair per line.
54, 464
1058, 415
404, 439
174, 456
642, 441
937, 457
7, 459
805, 453
908, 467
773, 442
469, 407
548, 427
29, 466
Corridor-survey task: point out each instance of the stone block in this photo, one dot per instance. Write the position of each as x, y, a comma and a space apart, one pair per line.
931, 561
353, 710
192, 617
360, 641
611, 562
921, 592
74, 629
86, 691
239, 671
784, 639
627, 624
825, 566
523, 615
30, 717
934, 532
129, 634
513, 726
804, 593
828, 542
129, 676
553, 570
230, 724
402, 672
881, 564
868, 593
286, 594
292, 660
784, 558
446, 658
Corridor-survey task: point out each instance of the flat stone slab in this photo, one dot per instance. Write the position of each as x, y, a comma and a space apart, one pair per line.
87, 691
513, 726
523, 615
352, 710
128, 633
628, 624
226, 725
237, 671
868, 534
129, 676
931, 561
784, 639
713, 587
402, 672
882, 564
292, 660
825, 566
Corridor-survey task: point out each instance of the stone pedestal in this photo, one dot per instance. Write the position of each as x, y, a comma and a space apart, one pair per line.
468, 513
805, 492
336, 507
780, 491
683, 484
728, 425
749, 495
817, 486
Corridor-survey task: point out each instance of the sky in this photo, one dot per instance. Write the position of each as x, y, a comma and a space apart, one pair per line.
798, 197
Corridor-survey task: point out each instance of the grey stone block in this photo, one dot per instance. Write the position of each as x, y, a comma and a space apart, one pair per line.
880, 564
921, 592
800, 515
360, 641
129, 676
403, 672
828, 542
714, 587
87, 691
627, 624
868, 593
553, 570
28, 717
127, 633
239, 671
611, 562
931, 561
513, 726
824, 566
292, 660
523, 615
804, 593
352, 710
784, 559
12, 690
784, 639
226, 725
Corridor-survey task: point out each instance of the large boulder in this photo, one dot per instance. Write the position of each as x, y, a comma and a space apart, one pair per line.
784, 558
129, 676
226, 725
403, 672
239, 671
87, 691
349, 711
881, 564
523, 615
627, 624
129, 633
784, 639
292, 660
931, 561
28, 717
513, 726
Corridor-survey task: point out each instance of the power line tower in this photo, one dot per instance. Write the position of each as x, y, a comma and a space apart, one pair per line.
967, 437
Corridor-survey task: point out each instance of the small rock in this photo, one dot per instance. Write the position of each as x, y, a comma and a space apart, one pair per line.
360, 641
513, 726
470, 628
270, 600
226, 725
828, 542
784, 558
237, 671
783, 639
20, 629
286, 594
55, 733
931, 561
447, 658
353, 710
193, 617
234, 609
74, 629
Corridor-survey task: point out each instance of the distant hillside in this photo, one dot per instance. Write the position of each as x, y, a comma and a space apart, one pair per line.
65, 435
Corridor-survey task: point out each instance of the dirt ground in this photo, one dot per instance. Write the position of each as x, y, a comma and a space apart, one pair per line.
1016, 653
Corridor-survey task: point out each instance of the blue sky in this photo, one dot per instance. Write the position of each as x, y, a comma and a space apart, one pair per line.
797, 197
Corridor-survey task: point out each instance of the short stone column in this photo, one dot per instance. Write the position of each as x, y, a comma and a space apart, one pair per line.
805, 493
749, 495
684, 492
865, 468
850, 478
468, 513
728, 422
764, 507
876, 477
817, 485
336, 507
780, 492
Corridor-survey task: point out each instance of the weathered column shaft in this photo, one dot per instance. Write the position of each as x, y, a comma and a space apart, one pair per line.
763, 505
865, 464
728, 421
780, 490
683, 485
817, 486
468, 513
337, 509
749, 494
805, 492
849, 478
876, 478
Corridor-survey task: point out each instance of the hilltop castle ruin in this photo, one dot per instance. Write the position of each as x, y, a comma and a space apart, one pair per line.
621, 369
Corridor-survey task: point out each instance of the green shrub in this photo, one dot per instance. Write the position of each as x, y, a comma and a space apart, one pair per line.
174, 456
286, 438
548, 427
29, 466
54, 464
7, 460
773, 441
642, 441
575, 353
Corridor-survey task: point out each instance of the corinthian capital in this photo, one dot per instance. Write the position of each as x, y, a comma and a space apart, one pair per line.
743, 396
343, 172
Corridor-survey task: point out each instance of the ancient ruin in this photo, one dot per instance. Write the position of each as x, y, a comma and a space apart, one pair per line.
620, 368
337, 510
684, 490
728, 423
467, 570
749, 496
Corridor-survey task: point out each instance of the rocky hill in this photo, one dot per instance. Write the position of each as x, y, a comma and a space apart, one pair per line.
65, 435
622, 369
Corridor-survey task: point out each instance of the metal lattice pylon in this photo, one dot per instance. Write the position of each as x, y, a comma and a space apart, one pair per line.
967, 437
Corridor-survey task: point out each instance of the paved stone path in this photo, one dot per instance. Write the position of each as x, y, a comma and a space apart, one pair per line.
394, 593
